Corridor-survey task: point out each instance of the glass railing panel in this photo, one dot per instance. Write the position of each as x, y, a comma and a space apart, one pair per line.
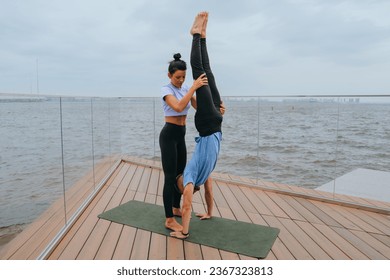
363, 148
297, 142
239, 153
30, 159
101, 136
77, 144
115, 128
278, 139
138, 127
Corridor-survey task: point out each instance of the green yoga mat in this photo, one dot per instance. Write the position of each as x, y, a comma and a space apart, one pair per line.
229, 235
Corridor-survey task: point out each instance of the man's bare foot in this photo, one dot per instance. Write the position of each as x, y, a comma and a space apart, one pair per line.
204, 26
177, 212
172, 224
198, 24
179, 235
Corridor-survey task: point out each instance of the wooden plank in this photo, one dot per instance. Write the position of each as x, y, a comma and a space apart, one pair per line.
128, 177
281, 200
192, 251
295, 248
343, 244
210, 253
303, 211
158, 247
161, 184
245, 203
92, 243
374, 219
109, 242
385, 239
143, 185
333, 251
219, 198
374, 243
312, 207
270, 204
359, 244
154, 182
305, 240
228, 255
331, 211
119, 177
125, 244
270, 256
247, 258
136, 178
261, 208
175, 249
141, 245
354, 216
280, 251
226, 213
233, 203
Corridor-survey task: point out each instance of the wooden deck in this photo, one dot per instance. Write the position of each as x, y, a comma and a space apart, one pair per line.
313, 224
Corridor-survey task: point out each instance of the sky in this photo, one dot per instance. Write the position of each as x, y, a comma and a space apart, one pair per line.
256, 47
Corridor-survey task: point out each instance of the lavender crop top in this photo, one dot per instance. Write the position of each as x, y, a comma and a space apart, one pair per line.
178, 93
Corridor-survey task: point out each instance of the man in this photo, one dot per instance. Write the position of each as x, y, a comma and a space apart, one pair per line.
208, 122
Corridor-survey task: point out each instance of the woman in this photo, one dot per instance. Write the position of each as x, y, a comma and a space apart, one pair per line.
176, 97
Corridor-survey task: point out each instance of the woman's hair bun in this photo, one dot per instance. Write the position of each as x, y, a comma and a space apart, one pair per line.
177, 64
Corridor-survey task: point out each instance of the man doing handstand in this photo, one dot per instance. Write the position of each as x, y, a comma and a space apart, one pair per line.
208, 121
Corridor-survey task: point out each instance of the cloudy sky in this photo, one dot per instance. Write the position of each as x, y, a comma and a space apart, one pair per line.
257, 47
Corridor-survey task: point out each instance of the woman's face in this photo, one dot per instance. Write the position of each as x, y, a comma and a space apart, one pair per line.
177, 78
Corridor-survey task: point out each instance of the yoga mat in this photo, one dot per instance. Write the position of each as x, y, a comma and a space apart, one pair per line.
229, 235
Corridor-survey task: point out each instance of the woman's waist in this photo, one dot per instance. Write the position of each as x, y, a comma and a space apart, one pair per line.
177, 120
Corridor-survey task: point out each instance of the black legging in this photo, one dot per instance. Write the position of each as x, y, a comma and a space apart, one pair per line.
208, 118
173, 157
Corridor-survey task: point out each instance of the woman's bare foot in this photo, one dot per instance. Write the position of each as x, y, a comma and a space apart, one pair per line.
198, 24
177, 212
172, 224
204, 26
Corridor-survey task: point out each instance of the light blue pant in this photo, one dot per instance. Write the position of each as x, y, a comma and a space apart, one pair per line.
203, 159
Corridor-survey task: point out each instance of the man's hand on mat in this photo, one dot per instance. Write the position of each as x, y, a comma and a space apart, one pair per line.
204, 216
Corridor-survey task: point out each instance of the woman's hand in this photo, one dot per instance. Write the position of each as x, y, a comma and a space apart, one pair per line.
201, 81
222, 108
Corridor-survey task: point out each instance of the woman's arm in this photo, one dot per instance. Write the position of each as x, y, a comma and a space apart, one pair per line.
180, 105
